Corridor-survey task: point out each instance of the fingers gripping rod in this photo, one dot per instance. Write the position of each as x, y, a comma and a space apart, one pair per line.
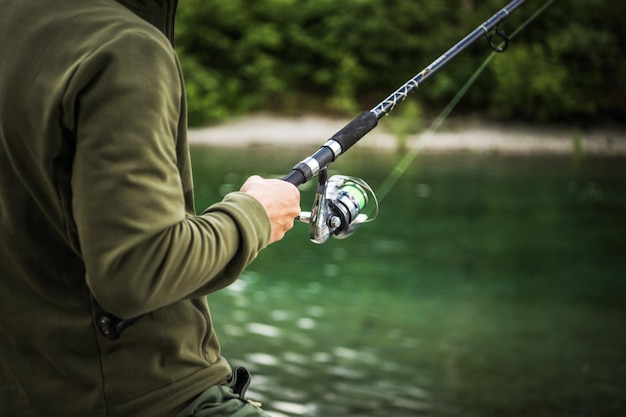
339, 143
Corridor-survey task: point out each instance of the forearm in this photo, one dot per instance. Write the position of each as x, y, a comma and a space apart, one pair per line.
194, 257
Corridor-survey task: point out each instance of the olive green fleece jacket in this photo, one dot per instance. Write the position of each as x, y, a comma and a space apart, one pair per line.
96, 214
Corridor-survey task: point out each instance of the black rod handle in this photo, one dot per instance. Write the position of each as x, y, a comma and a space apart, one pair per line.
340, 142
355, 130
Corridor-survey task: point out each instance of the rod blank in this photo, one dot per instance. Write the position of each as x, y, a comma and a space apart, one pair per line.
365, 122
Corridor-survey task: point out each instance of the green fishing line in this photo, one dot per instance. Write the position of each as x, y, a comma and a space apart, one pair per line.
400, 168
357, 194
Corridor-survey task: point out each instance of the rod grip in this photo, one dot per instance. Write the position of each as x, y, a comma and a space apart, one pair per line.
346, 137
355, 130
296, 177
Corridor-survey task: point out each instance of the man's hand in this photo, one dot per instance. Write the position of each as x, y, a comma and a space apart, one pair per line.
280, 199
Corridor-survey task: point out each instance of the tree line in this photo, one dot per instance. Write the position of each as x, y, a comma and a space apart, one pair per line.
343, 57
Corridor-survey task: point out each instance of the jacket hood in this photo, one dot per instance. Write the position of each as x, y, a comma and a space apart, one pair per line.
160, 13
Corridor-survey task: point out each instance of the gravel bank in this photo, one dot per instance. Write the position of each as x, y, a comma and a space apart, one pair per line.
312, 132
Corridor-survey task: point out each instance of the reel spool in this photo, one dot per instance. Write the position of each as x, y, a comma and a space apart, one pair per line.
338, 207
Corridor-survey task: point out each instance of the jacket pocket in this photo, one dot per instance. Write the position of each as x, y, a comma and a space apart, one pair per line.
203, 308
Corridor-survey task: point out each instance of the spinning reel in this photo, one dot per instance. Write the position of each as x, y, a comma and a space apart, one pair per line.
338, 207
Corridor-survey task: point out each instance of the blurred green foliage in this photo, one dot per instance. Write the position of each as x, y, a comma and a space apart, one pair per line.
325, 56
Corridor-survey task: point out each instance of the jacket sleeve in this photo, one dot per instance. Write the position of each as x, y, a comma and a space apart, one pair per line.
142, 249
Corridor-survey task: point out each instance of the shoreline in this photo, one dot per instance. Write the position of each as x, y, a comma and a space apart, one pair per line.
458, 135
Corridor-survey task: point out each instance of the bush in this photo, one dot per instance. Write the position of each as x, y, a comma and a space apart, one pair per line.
344, 57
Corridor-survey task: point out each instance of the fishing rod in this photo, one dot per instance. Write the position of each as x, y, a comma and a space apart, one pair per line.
339, 203
340, 200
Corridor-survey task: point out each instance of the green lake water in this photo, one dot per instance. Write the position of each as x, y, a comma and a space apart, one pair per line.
489, 285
